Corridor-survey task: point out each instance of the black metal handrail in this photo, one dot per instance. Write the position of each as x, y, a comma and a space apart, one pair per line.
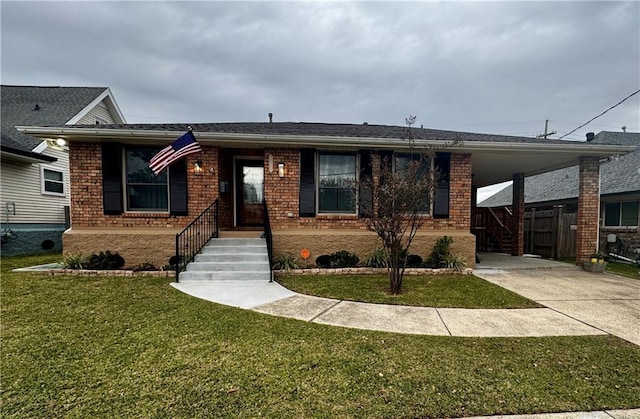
268, 237
194, 236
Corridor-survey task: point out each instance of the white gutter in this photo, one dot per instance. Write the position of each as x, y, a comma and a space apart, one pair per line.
316, 141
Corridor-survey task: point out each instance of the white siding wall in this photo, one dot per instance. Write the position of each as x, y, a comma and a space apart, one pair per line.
101, 111
21, 184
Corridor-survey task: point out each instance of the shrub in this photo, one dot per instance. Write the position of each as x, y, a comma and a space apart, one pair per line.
414, 261
105, 260
438, 257
339, 259
377, 259
323, 261
456, 262
285, 262
144, 266
344, 259
75, 262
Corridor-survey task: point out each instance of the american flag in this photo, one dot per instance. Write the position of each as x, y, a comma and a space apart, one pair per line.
178, 149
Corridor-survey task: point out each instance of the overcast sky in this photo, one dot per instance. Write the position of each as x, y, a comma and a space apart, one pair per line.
492, 67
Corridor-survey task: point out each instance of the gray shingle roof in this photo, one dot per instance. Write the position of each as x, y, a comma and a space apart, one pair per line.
56, 106
329, 130
621, 175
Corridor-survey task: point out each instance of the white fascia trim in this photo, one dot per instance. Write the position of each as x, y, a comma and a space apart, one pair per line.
41, 147
266, 140
93, 104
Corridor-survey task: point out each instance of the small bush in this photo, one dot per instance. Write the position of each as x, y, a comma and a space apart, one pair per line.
344, 259
456, 262
438, 257
414, 261
75, 262
105, 261
323, 261
339, 259
377, 259
285, 262
144, 266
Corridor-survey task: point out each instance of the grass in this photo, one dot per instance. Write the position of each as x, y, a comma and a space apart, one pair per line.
462, 291
121, 347
623, 269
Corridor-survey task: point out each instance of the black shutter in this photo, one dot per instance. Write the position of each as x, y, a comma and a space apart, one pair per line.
441, 201
112, 178
307, 183
178, 204
366, 179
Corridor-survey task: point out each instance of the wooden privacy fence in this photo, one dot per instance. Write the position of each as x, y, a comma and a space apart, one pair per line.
550, 233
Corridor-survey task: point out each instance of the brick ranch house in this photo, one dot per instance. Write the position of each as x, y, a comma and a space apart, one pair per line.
117, 204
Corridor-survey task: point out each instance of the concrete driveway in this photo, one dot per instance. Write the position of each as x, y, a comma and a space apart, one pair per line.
605, 301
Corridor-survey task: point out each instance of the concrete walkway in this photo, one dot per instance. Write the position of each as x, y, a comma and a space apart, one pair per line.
607, 302
578, 303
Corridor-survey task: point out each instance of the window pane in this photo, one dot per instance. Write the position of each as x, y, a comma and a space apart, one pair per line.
52, 175
147, 197
346, 201
630, 214
138, 166
336, 183
328, 200
612, 214
145, 191
56, 187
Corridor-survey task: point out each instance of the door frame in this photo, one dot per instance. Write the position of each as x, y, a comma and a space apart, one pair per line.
235, 182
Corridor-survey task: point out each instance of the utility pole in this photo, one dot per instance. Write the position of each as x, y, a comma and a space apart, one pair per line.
546, 134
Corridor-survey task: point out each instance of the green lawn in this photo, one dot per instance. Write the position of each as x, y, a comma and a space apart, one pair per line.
463, 291
623, 269
122, 347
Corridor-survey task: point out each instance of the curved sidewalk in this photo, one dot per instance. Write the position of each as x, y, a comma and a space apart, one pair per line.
563, 316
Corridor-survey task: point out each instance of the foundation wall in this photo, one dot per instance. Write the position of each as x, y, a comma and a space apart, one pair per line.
362, 243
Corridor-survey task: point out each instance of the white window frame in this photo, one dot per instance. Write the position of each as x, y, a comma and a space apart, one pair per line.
317, 178
43, 181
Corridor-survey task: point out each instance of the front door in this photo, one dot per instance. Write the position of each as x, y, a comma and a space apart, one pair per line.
249, 192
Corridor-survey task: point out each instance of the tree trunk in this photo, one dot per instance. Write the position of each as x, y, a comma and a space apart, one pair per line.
396, 263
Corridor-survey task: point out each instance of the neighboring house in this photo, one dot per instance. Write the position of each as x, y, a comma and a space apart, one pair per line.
304, 171
35, 187
619, 193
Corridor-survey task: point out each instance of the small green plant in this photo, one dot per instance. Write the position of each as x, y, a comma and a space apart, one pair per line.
377, 259
144, 266
75, 261
344, 259
456, 262
286, 262
339, 259
438, 257
414, 261
105, 260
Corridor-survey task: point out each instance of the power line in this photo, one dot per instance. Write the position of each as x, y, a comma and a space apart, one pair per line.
598, 116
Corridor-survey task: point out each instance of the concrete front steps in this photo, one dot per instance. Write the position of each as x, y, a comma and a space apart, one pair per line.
230, 259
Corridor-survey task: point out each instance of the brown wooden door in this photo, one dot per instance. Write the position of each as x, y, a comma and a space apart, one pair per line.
249, 192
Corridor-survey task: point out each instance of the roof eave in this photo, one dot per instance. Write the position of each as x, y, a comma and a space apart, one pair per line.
281, 140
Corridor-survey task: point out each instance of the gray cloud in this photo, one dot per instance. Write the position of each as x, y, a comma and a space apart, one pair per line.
501, 67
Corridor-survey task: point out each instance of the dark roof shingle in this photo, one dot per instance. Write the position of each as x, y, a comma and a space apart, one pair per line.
55, 106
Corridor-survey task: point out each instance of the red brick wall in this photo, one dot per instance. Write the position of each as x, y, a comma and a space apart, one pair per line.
588, 208
517, 238
283, 193
86, 191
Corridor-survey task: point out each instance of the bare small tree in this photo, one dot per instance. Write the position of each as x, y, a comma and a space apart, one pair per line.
398, 197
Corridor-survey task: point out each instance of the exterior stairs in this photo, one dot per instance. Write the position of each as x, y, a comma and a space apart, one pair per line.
230, 259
